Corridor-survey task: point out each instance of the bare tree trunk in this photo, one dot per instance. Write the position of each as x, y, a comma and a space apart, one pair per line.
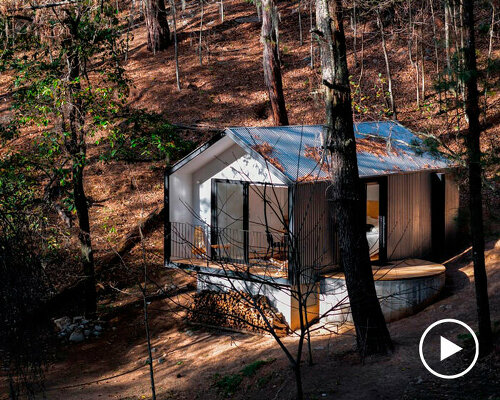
355, 34
414, 64
301, 39
130, 23
221, 10
417, 72
157, 25
200, 46
371, 330
475, 184
73, 115
272, 69
422, 61
176, 47
87, 253
462, 47
447, 34
490, 49
436, 54
387, 66
311, 28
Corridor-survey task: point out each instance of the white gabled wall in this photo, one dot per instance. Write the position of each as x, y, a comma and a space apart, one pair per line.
190, 186
234, 164
181, 189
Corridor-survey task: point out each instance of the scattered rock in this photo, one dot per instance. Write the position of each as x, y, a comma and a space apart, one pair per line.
154, 350
77, 336
77, 329
62, 323
189, 332
161, 360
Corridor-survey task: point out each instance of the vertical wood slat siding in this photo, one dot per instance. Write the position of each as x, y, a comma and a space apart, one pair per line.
409, 215
452, 202
313, 226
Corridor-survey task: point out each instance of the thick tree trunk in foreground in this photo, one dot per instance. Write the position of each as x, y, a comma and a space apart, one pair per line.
271, 63
157, 25
371, 331
475, 196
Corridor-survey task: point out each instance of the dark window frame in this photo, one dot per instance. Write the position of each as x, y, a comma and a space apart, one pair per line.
382, 218
246, 217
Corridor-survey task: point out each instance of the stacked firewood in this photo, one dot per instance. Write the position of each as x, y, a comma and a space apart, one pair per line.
237, 311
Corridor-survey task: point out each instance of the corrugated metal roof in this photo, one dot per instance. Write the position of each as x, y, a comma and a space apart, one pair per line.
383, 148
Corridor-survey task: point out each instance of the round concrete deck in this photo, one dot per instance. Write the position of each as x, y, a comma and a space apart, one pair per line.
403, 288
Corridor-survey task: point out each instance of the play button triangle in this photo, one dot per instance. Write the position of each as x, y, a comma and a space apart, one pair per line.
448, 348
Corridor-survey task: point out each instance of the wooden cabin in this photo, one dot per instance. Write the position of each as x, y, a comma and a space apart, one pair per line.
239, 200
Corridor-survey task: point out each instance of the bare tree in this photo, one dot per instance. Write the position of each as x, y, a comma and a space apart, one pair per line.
371, 330
387, 65
271, 62
475, 180
157, 25
176, 46
200, 37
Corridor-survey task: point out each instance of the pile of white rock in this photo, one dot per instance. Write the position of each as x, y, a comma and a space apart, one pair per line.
77, 329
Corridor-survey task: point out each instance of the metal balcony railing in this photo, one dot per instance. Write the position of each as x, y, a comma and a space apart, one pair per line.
203, 242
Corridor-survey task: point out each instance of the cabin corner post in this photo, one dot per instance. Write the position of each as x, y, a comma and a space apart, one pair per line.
291, 239
167, 233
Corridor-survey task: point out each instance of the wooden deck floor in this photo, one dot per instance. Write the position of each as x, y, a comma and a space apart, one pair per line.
404, 269
396, 270
264, 269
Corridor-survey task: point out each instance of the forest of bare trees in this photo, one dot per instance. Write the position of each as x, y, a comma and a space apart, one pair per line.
92, 88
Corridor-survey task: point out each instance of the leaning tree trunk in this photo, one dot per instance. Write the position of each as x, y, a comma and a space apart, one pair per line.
371, 331
157, 25
74, 116
475, 195
271, 63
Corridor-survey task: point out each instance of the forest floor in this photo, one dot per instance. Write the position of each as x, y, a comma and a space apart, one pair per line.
194, 359
227, 89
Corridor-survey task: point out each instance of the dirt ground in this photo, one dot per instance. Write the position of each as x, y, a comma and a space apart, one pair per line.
114, 366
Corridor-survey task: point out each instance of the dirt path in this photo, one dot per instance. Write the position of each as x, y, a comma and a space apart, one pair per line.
116, 362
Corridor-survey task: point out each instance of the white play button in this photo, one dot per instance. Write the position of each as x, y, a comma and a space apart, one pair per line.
448, 348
